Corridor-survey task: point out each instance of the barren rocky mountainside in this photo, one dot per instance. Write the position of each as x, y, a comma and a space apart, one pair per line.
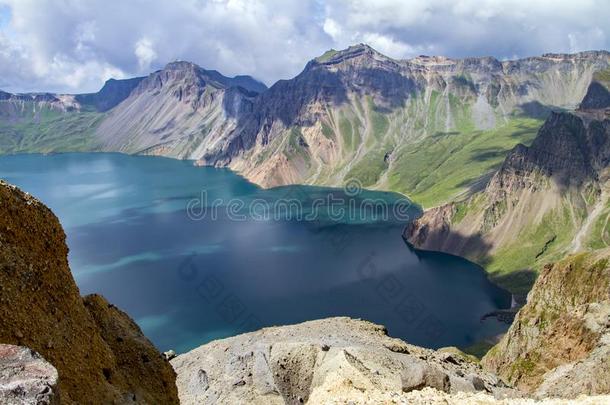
179, 111
546, 200
100, 354
174, 103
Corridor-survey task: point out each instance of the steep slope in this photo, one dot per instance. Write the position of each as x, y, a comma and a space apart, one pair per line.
598, 94
428, 127
545, 201
100, 354
177, 112
559, 343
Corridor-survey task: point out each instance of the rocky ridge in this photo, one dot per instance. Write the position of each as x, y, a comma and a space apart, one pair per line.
349, 361
349, 109
351, 114
25, 107
536, 205
111, 94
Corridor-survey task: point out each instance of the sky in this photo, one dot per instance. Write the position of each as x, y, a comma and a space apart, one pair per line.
73, 46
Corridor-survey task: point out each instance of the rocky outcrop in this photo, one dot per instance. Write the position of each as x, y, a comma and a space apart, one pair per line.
26, 378
559, 343
100, 354
319, 361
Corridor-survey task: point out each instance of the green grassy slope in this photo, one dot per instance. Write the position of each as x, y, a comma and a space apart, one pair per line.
445, 165
429, 149
49, 131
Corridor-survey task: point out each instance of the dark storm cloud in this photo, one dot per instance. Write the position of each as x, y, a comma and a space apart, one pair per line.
70, 45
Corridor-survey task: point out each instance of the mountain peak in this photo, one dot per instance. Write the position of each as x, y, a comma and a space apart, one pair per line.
333, 56
195, 72
180, 65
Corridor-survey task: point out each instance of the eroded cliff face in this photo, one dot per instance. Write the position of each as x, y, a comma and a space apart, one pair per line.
100, 354
544, 202
359, 114
559, 343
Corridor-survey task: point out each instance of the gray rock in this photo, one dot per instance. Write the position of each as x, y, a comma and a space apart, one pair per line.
289, 364
168, 355
26, 378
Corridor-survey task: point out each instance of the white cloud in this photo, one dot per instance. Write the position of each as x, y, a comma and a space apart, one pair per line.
145, 53
387, 45
71, 45
332, 28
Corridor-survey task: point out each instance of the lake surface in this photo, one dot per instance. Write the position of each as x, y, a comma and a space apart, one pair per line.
197, 253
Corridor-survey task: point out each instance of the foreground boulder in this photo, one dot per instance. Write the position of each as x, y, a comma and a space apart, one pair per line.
26, 378
320, 360
100, 354
559, 343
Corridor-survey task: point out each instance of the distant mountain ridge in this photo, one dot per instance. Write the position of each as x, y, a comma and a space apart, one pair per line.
177, 111
46, 122
430, 127
113, 92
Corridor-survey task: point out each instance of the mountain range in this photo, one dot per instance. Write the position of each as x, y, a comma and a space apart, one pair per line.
466, 138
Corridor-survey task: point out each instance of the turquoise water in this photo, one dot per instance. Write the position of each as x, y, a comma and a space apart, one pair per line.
197, 253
